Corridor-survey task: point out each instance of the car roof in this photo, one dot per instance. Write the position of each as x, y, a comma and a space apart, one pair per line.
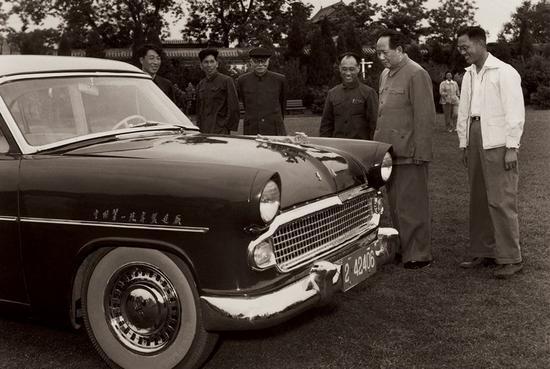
29, 64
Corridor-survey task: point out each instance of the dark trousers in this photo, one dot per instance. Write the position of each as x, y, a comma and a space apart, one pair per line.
410, 210
494, 225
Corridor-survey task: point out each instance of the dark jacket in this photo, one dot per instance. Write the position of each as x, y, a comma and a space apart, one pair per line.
217, 105
264, 102
406, 114
169, 89
350, 112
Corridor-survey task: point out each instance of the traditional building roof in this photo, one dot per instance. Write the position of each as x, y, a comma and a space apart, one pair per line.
327, 12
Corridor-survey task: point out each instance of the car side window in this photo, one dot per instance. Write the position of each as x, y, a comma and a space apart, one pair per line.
4, 146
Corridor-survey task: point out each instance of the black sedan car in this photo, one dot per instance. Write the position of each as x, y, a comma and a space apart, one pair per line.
118, 215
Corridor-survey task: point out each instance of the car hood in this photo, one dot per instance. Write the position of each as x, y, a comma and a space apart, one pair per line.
306, 172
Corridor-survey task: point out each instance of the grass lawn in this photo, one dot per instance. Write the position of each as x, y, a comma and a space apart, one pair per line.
442, 317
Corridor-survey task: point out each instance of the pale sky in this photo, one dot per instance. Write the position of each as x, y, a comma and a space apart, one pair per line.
491, 14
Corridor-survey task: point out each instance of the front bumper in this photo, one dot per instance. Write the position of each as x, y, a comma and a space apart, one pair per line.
323, 280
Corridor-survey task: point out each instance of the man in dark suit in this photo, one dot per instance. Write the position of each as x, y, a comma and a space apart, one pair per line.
263, 95
149, 57
217, 102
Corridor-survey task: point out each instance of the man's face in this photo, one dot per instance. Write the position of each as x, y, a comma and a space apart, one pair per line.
150, 63
259, 65
471, 50
349, 69
209, 65
389, 58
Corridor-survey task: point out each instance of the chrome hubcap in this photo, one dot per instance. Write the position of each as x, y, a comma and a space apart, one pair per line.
142, 308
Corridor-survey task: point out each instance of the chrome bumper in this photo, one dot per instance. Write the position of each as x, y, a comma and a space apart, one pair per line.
323, 280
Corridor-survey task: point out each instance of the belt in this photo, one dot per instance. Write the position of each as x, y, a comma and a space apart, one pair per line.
475, 119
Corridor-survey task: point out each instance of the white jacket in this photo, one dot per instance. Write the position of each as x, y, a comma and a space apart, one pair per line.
502, 108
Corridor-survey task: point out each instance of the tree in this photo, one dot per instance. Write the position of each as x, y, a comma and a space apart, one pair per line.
405, 16
529, 25
40, 41
247, 22
322, 57
448, 18
296, 40
3, 17
348, 40
117, 24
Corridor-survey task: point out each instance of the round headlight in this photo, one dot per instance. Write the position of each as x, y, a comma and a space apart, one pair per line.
270, 201
386, 167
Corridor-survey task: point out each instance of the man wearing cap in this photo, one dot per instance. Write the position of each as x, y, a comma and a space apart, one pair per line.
217, 102
263, 95
149, 57
351, 107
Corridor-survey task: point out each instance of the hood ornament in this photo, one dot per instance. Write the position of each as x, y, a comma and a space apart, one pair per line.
299, 138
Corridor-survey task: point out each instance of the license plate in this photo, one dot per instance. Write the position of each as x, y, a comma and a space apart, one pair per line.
357, 267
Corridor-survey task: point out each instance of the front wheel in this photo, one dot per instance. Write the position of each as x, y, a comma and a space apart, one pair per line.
141, 310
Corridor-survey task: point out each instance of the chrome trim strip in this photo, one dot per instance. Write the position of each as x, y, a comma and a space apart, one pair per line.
17, 77
2, 301
117, 225
8, 218
308, 209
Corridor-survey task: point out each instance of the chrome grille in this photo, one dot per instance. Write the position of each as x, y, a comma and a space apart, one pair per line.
300, 240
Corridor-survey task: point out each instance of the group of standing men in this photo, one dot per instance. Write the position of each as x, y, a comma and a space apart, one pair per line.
491, 116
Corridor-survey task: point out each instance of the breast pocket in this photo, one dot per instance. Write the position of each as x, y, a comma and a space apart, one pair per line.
340, 107
396, 97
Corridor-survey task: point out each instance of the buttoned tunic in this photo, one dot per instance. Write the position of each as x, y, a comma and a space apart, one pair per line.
350, 112
264, 102
406, 117
217, 105
406, 114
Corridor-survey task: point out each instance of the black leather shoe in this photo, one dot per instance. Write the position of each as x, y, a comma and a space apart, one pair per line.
476, 262
416, 264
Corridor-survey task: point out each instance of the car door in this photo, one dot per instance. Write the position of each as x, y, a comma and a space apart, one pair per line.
12, 283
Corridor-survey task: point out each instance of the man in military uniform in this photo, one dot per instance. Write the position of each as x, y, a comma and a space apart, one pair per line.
351, 107
406, 119
263, 95
217, 102
149, 57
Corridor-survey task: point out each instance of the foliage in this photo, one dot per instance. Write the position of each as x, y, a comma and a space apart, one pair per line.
535, 73
348, 40
40, 41
116, 24
298, 29
447, 19
322, 57
529, 24
541, 98
296, 76
405, 16
315, 98
248, 22
3, 17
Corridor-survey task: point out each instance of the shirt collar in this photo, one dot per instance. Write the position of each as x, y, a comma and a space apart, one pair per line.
212, 77
351, 84
404, 61
490, 63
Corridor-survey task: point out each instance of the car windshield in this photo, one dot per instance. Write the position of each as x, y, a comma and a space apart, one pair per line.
49, 110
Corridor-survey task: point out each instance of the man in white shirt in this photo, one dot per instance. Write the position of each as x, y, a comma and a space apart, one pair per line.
490, 122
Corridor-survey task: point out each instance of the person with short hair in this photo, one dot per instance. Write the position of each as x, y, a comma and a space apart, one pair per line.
450, 95
263, 94
351, 107
491, 116
406, 119
217, 101
149, 56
